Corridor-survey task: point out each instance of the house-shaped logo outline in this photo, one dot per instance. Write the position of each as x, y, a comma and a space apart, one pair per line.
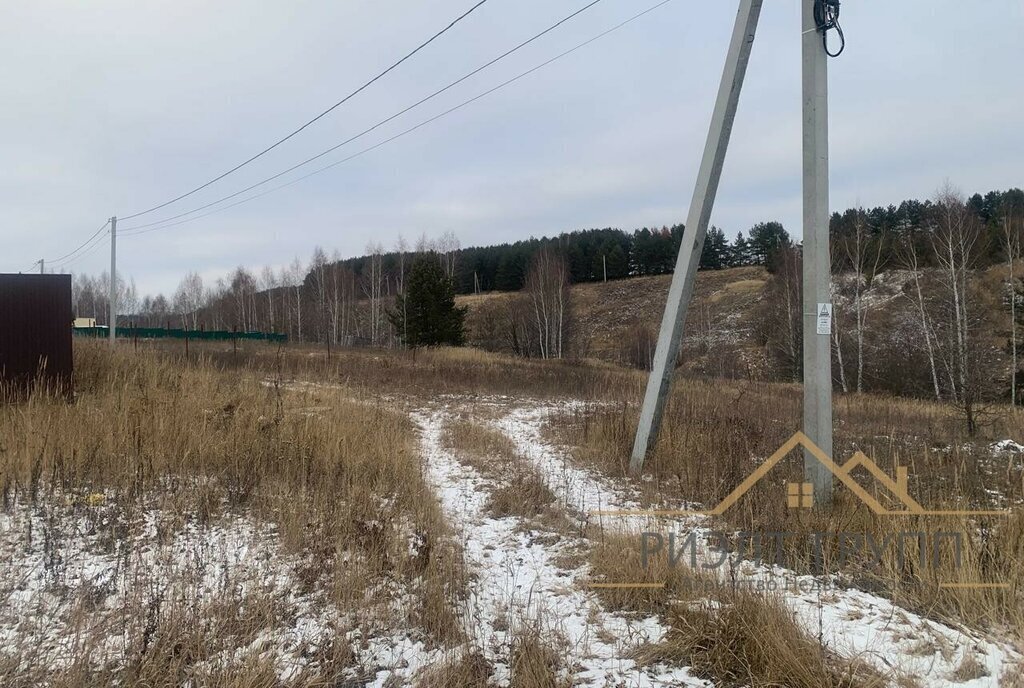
897, 487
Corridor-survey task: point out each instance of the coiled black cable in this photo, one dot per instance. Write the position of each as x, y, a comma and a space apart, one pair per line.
826, 16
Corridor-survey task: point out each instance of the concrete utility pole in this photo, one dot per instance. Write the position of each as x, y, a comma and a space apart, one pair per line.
42, 266
817, 261
708, 176
113, 280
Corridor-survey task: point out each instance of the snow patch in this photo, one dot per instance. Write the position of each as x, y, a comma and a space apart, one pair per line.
518, 580
852, 623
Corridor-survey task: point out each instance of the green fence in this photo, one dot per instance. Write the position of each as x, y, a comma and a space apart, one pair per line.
178, 333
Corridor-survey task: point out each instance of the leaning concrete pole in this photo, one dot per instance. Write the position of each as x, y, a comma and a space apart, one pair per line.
817, 262
710, 172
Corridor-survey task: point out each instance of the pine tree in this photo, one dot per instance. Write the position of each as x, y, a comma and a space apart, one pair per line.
426, 315
740, 254
715, 255
767, 241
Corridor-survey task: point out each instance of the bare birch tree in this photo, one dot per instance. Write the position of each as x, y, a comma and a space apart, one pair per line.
780, 319
189, 299
908, 252
865, 255
268, 283
1011, 242
295, 276
447, 248
372, 283
547, 285
955, 237
402, 248
318, 270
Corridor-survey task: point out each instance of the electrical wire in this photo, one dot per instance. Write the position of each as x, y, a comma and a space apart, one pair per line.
80, 246
91, 249
375, 126
137, 231
321, 115
826, 16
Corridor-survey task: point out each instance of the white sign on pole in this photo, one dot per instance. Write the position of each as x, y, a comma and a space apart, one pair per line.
824, 318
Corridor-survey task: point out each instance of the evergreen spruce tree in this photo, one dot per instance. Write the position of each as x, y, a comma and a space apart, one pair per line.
767, 242
740, 253
426, 314
715, 255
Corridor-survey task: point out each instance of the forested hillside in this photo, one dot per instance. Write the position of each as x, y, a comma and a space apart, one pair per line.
594, 254
938, 282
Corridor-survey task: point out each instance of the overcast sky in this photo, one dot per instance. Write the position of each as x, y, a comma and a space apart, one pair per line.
112, 106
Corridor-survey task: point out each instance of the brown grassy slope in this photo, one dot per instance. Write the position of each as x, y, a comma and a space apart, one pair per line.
606, 314
611, 321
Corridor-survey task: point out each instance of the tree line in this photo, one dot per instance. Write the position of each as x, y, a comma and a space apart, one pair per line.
940, 246
919, 309
591, 255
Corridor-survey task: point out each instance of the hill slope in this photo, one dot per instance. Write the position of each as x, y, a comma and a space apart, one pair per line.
618, 320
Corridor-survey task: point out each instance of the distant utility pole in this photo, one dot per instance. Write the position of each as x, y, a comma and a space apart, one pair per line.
708, 176
113, 280
42, 266
604, 264
817, 262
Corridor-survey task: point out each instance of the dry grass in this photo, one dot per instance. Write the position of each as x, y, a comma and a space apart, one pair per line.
729, 635
1013, 677
426, 373
535, 663
521, 489
969, 669
339, 486
715, 434
745, 640
535, 660
605, 315
468, 670
206, 444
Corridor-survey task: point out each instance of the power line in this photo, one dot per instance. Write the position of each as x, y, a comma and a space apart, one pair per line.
140, 230
80, 246
375, 126
321, 115
88, 251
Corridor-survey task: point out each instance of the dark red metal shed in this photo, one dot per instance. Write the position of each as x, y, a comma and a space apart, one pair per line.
35, 331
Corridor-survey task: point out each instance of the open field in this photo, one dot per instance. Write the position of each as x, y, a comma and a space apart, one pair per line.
271, 517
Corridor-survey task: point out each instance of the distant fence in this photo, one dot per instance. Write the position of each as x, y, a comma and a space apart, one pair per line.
179, 333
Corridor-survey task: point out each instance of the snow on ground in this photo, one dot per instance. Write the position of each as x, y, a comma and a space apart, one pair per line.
518, 580
74, 574
850, 622
60, 566
1007, 447
74, 583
